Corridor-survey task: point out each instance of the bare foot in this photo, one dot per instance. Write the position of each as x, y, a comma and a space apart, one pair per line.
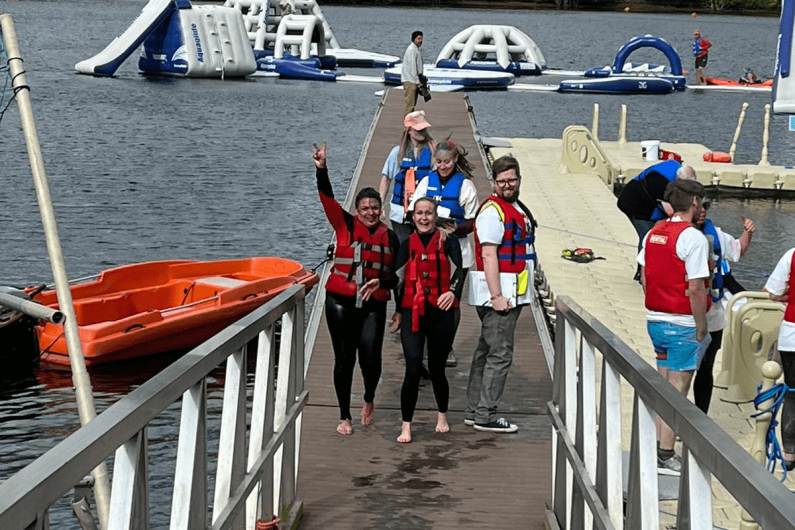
405, 433
345, 427
368, 413
441, 423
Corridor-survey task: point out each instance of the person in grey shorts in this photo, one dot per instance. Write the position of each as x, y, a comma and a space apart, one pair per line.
501, 284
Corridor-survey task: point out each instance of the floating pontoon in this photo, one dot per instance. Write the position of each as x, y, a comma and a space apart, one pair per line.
493, 48
471, 79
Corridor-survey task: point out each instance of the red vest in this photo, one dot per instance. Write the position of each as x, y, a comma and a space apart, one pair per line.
427, 276
516, 247
666, 276
359, 257
789, 313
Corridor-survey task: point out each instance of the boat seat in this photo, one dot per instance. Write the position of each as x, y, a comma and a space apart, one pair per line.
220, 281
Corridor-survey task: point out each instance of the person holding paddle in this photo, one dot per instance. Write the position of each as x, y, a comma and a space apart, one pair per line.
407, 164
357, 290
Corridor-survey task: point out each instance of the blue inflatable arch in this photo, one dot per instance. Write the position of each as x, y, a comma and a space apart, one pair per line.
648, 41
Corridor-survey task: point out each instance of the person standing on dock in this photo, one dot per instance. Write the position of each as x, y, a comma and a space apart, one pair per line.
675, 277
357, 290
725, 248
411, 70
407, 163
451, 186
433, 283
701, 48
779, 285
642, 197
501, 284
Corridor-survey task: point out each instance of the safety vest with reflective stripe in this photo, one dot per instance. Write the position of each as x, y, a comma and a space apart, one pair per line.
447, 194
421, 168
666, 275
360, 257
516, 248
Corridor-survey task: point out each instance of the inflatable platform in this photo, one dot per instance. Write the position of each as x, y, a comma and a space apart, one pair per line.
784, 80
493, 48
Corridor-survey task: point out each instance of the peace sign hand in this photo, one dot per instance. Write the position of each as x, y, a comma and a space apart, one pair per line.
319, 157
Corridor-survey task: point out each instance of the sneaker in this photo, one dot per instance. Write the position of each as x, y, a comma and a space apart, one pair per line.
469, 422
451, 360
670, 466
498, 425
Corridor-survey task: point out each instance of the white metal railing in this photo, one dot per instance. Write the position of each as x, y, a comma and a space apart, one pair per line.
590, 363
256, 484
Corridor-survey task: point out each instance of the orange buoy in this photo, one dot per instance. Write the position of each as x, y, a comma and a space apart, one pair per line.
269, 525
717, 156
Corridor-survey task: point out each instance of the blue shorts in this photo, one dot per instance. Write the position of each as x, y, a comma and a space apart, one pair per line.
676, 347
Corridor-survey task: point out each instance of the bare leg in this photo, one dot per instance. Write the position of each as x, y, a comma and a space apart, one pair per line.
441, 423
368, 413
681, 382
405, 433
345, 427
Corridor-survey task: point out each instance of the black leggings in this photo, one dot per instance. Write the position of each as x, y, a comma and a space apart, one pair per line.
788, 411
704, 381
439, 328
355, 329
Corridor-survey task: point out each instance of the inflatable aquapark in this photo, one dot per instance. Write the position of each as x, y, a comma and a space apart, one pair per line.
493, 48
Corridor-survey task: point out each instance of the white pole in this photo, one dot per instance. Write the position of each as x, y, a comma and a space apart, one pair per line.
595, 122
765, 137
80, 378
622, 126
739, 128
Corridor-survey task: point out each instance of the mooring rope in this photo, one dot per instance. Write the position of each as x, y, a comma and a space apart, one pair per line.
772, 446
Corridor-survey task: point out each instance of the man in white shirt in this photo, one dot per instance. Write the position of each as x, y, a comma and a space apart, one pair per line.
675, 277
411, 71
501, 284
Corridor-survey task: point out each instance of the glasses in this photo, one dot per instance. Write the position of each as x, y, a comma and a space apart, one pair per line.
506, 182
705, 205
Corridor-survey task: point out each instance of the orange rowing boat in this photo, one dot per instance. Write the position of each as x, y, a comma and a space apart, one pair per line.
154, 307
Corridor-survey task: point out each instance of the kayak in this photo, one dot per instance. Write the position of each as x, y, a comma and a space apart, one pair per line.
732, 82
154, 307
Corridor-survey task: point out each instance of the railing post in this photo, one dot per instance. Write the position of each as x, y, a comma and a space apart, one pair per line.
189, 500
737, 131
564, 393
609, 468
642, 490
129, 498
622, 126
585, 440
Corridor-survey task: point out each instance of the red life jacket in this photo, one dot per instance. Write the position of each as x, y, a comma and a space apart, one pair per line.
666, 276
360, 257
789, 313
516, 248
427, 276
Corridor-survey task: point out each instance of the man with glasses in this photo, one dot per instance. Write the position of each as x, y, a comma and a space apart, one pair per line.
675, 277
701, 48
725, 248
501, 284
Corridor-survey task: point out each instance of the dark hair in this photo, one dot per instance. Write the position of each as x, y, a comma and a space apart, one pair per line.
459, 155
368, 193
680, 192
415, 34
505, 163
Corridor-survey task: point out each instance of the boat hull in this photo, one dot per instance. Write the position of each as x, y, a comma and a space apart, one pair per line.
150, 308
448, 76
719, 81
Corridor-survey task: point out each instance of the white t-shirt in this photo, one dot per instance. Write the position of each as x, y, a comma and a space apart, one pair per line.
468, 199
778, 284
730, 251
390, 171
490, 229
692, 248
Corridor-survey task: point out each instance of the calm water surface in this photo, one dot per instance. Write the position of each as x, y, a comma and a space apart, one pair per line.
150, 168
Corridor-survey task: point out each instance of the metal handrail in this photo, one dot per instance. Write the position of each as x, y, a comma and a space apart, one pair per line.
28, 494
707, 449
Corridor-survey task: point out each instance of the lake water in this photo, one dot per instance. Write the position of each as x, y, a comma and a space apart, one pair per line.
147, 169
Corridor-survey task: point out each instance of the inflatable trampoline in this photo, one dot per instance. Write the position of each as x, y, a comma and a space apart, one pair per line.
492, 48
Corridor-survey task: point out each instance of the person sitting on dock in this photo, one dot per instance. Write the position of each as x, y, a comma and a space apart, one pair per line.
675, 277
357, 290
433, 281
501, 285
701, 48
411, 70
779, 285
642, 197
451, 186
725, 248
407, 164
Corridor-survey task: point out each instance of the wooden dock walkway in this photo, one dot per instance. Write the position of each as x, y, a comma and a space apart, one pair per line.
463, 479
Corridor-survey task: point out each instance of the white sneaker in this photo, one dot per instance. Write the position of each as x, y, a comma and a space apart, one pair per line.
670, 466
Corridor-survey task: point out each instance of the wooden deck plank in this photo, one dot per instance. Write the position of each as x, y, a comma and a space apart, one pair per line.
464, 477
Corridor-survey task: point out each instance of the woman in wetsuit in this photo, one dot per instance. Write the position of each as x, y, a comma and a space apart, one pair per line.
357, 290
433, 280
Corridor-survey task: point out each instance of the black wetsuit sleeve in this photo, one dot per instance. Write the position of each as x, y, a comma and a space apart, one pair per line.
323, 182
467, 226
391, 281
453, 250
400, 263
